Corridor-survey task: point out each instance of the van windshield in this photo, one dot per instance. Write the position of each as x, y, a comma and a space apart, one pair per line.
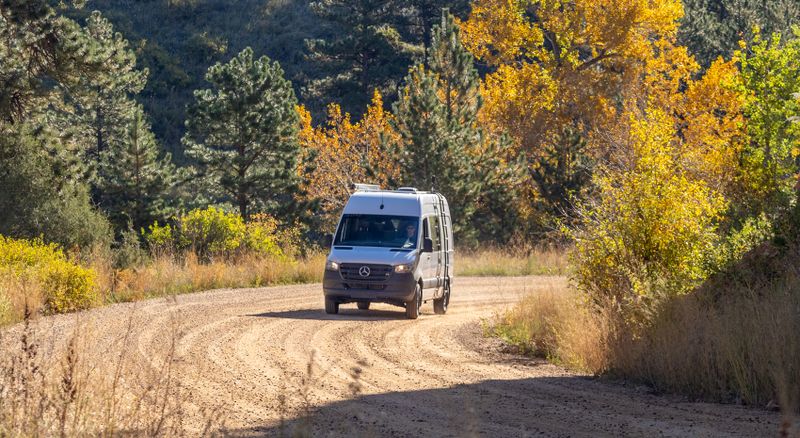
378, 230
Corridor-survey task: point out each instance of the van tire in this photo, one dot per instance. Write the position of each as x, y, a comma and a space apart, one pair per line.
331, 306
440, 304
363, 305
412, 307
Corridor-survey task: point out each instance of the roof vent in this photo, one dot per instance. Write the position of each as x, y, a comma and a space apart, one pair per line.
407, 189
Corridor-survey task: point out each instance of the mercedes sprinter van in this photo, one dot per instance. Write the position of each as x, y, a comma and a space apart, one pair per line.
391, 246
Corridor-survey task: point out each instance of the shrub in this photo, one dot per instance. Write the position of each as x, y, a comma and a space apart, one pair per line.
66, 286
261, 236
652, 230
212, 232
160, 238
129, 251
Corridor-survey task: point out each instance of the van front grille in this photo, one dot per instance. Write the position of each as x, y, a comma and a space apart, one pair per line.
355, 271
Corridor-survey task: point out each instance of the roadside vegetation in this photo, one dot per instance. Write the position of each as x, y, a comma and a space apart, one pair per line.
511, 261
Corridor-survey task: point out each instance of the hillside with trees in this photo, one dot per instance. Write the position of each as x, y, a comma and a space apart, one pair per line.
331, 51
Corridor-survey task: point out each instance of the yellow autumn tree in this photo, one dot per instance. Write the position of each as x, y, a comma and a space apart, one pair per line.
707, 112
342, 153
653, 227
562, 62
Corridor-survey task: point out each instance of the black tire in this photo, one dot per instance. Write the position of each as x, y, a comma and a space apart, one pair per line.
331, 306
412, 307
363, 305
440, 305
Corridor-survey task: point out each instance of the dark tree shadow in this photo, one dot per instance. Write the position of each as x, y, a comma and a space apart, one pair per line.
548, 406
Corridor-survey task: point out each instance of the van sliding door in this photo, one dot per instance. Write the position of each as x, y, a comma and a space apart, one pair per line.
432, 262
436, 236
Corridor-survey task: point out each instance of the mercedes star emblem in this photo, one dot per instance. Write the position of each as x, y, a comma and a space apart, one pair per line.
363, 271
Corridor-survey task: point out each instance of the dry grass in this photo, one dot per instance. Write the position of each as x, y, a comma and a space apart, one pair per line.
553, 324
85, 389
167, 275
743, 348
736, 345
497, 262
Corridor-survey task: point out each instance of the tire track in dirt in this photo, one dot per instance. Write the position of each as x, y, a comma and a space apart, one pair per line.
244, 349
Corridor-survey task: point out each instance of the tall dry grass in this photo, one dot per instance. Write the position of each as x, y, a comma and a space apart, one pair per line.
167, 275
737, 345
553, 324
511, 261
80, 388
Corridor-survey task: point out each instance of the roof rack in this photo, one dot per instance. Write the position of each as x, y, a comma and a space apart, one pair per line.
366, 187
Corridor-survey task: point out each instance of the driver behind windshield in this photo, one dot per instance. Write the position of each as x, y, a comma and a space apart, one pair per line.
411, 236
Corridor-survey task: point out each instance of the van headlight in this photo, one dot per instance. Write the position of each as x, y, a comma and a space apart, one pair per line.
402, 269
332, 266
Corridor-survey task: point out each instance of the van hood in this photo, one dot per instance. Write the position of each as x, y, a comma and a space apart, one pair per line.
372, 255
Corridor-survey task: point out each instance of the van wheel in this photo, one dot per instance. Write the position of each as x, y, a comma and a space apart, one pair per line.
412, 308
331, 306
363, 305
440, 304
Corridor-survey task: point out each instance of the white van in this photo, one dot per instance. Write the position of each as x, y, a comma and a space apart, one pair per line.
391, 246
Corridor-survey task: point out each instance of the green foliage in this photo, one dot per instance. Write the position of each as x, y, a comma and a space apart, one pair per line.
264, 238
365, 51
436, 120
66, 286
242, 133
653, 226
214, 233
129, 251
770, 83
561, 172
159, 238
41, 195
97, 108
713, 28
136, 185
733, 246
40, 50
211, 231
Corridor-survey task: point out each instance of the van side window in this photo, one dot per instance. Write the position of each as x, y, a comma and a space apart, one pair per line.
436, 233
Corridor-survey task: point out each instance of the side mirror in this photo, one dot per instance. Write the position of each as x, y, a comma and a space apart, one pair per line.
427, 245
327, 241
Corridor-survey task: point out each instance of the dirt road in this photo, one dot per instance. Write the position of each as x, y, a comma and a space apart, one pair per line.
376, 373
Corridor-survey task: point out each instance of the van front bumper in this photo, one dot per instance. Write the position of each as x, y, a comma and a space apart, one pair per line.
396, 289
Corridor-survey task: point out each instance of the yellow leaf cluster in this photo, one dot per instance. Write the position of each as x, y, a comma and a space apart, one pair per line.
343, 153
707, 111
654, 225
566, 65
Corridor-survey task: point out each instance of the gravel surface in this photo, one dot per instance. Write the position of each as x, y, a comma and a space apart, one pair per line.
247, 352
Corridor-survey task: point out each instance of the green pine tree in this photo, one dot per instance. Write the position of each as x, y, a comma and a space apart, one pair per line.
104, 101
436, 117
365, 52
242, 133
713, 28
423, 15
40, 198
44, 58
136, 178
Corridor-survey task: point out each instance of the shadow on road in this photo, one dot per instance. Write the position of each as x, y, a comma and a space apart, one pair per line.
546, 406
343, 315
